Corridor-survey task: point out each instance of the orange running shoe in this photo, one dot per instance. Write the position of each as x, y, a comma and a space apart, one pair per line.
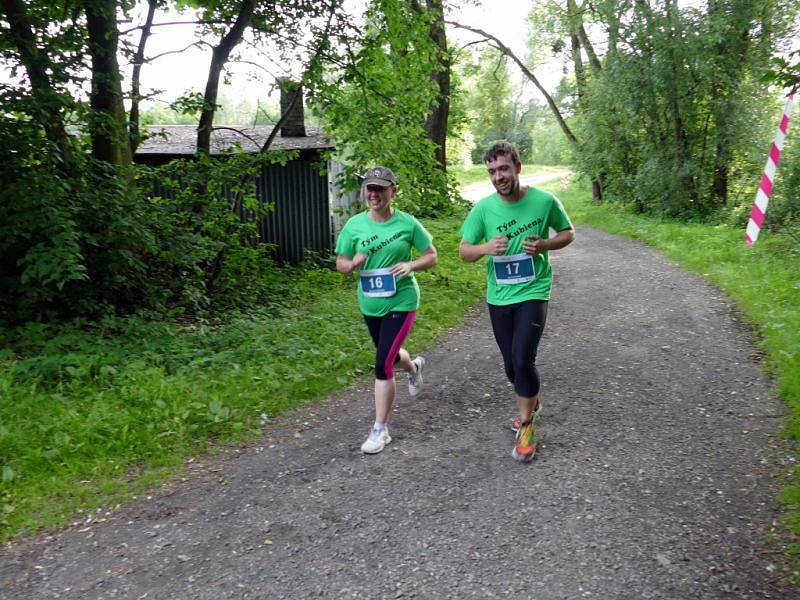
534, 417
525, 447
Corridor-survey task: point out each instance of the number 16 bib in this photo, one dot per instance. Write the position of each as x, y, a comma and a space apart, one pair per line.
509, 270
377, 283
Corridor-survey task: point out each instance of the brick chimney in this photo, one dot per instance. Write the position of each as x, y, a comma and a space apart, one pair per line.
294, 124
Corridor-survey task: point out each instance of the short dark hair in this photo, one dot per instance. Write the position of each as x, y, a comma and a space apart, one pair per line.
502, 148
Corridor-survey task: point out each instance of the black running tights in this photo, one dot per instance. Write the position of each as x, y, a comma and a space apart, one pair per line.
518, 329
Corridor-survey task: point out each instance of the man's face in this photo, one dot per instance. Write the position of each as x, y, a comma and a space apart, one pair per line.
504, 174
378, 197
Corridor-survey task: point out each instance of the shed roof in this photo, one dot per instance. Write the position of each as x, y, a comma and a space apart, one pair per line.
181, 140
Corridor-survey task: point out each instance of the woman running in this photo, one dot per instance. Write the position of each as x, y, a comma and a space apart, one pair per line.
378, 244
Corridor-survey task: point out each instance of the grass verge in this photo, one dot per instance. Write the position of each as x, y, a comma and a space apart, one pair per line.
92, 413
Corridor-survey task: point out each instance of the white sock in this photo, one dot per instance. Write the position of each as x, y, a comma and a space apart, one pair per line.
379, 426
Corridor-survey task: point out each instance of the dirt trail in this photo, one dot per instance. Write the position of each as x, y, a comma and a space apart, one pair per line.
656, 479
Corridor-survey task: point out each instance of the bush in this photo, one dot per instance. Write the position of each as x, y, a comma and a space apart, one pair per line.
99, 242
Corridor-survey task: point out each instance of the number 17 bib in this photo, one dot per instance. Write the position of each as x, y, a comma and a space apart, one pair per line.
377, 283
510, 270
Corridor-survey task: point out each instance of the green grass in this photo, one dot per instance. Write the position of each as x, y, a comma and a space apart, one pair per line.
764, 282
92, 413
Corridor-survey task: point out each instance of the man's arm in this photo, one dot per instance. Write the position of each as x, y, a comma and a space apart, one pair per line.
534, 244
496, 246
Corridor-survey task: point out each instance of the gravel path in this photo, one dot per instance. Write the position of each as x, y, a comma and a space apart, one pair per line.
656, 479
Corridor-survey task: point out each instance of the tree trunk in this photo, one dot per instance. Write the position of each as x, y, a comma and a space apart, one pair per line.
594, 62
732, 51
597, 190
680, 137
47, 112
436, 124
576, 17
138, 60
110, 141
575, 25
580, 76
721, 174
219, 57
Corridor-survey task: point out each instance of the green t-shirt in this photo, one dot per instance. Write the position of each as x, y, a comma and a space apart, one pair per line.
535, 214
385, 245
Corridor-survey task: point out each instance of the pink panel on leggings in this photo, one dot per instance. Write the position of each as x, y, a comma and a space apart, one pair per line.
398, 341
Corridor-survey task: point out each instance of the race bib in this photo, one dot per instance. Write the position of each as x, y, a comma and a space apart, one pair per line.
377, 283
510, 270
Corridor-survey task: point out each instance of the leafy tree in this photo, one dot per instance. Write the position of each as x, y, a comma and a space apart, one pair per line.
48, 99
548, 146
784, 210
436, 124
488, 104
80, 234
672, 115
70, 218
553, 106
375, 95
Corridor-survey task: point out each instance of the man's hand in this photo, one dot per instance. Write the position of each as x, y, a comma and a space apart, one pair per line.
496, 246
533, 245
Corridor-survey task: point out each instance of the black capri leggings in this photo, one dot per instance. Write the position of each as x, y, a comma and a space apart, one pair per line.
518, 329
388, 333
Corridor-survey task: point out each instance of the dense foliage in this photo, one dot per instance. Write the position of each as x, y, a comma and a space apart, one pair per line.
94, 242
496, 108
678, 120
376, 102
81, 232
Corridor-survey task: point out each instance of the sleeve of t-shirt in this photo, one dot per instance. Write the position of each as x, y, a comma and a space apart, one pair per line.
558, 219
472, 230
345, 244
421, 239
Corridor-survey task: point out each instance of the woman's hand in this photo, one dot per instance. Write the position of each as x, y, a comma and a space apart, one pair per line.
347, 265
401, 269
358, 261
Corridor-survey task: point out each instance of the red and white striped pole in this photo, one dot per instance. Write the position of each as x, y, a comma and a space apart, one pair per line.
765, 187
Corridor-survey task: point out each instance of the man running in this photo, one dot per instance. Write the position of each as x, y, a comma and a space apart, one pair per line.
512, 229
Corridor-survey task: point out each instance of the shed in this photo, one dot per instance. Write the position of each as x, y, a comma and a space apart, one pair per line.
308, 204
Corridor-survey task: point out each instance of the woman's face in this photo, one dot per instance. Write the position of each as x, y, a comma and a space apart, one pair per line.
379, 198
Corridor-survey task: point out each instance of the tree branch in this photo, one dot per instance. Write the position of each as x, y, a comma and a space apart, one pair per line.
239, 131
219, 57
528, 73
594, 61
168, 52
170, 23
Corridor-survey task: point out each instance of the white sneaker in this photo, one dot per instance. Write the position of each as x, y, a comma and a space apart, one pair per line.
415, 377
377, 439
